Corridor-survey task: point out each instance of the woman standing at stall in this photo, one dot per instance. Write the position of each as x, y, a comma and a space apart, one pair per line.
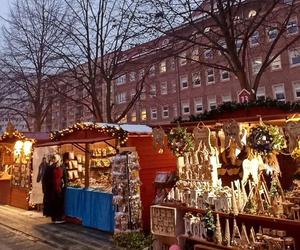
54, 183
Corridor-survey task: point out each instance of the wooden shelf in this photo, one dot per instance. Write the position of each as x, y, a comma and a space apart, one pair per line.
212, 245
240, 215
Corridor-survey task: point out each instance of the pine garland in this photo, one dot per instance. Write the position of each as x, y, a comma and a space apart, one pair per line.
234, 106
180, 141
266, 139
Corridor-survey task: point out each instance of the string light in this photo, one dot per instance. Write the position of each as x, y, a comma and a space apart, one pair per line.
116, 132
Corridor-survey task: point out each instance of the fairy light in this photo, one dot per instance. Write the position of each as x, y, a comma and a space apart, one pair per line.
116, 132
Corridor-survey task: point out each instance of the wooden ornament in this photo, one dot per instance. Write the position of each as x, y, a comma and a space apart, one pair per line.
236, 235
218, 231
227, 234
202, 138
232, 133
235, 209
159, 139
292, 131
244, 236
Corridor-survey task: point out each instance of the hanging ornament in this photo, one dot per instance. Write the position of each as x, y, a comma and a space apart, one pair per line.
158, 139
180, 141
232, 133
266, 139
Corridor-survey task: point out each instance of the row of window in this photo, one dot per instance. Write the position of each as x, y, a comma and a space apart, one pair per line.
294, 60
198, 105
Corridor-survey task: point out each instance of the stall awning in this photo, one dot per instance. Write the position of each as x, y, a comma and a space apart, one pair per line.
89, 132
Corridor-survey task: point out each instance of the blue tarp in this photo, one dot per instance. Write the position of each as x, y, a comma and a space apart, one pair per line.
93, 208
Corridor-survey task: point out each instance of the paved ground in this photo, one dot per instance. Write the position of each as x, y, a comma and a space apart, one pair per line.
21, 229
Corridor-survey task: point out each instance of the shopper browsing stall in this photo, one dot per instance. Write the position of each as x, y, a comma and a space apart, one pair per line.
54, 183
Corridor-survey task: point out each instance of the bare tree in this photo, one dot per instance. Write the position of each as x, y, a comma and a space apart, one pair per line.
27, 60
222, 34
98, 52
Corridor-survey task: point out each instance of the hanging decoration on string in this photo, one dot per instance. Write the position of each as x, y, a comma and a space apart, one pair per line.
159, 139
266, 139
180, 141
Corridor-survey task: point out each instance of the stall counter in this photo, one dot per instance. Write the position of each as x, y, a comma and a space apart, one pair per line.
94, 208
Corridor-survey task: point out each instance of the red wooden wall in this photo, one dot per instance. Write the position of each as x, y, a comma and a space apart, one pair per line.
150, 162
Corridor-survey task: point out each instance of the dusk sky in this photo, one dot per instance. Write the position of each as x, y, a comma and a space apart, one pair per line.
4, 8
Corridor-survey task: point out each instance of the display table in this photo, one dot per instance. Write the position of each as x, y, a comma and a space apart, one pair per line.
92, 207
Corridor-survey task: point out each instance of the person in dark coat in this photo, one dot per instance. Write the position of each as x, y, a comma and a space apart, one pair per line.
41, 172
54, 185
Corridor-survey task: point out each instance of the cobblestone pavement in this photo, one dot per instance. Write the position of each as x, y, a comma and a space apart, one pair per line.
11, 239
20, 229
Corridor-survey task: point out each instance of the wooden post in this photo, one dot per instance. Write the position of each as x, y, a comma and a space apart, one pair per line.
87, 166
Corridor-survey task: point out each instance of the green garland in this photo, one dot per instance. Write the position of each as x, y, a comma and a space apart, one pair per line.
266, 139
180, 141
209, 221
234, 106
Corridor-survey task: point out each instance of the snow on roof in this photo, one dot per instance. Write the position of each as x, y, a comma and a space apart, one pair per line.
130, 128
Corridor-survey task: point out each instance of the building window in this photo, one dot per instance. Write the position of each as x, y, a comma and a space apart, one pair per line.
210, 76
132, 76
152, 90
223, 46
195, 54
224, 75
184, 82
163, 66
142, 74
198, 105
182, 59
185, 108
132, 93
279, 93
152, 71
261, 93
226, 98
172, 64
175, 111
196, 78
121, 98
256, 65
254, 39
133, 116
143, 95
272, 33
276, 64
124, 119
294, 57
163, 88
153, 113
292, 26
143, 114
173, 87
238, 44
212, 102
121, 80
296, 87
165, 112
208, 54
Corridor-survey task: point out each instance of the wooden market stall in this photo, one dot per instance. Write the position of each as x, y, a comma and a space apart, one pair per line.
236, 186
95, 151
16, 166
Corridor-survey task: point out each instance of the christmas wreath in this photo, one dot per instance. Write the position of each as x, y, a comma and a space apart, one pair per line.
266, 139
180, 141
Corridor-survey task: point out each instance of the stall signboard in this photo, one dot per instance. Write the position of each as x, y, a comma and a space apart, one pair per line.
244, 96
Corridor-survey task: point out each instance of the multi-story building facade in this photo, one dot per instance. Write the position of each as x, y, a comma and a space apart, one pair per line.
177, 86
